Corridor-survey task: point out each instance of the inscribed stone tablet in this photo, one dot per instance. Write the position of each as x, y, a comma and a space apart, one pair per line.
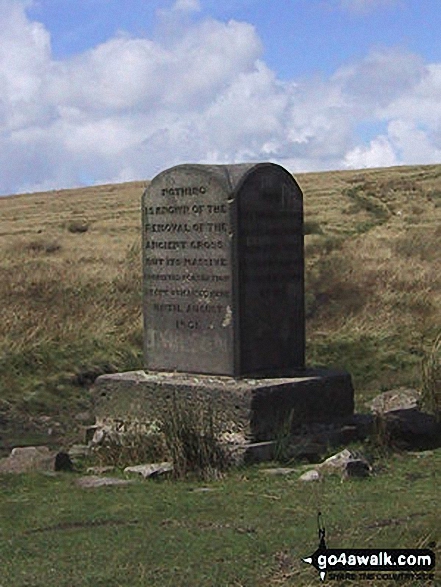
223, 270
187, 271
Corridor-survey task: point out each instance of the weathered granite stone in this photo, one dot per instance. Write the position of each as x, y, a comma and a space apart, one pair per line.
345, 463
28, 458
410, 428
35, 458
91, 481
404, 423
396, 399
312, 475
150, 470
224, 270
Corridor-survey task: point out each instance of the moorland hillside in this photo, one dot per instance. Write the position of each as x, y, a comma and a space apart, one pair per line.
70, 287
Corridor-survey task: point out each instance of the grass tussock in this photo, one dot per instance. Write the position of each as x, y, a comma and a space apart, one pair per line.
131, 443
192, 437
78, 226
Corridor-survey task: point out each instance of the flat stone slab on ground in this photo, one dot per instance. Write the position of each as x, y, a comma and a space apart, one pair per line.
28, 458
150, 470
91, 481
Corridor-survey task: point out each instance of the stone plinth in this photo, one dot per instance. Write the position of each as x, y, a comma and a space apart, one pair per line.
257, 407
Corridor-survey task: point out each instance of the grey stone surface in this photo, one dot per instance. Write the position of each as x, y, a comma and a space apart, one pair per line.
312, 475
27, 459
92, 481
345, 463
404, 423
224, 271
255, 407
150, 470
410, 428
396, 399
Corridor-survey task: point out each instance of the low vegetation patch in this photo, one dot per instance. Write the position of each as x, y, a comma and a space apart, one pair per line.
78, 226
191, 435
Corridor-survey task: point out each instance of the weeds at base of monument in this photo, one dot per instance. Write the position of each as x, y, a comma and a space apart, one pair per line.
133, 444
283, 439
191, 436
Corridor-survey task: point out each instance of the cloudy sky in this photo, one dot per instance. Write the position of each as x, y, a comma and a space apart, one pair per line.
101, 91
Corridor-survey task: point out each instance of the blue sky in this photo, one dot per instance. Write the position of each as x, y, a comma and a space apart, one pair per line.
99, 91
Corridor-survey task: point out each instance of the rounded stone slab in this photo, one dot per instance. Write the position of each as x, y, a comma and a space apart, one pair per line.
223, 270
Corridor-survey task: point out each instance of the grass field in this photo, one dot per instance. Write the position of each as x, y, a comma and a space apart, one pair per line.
70, 291
250, 529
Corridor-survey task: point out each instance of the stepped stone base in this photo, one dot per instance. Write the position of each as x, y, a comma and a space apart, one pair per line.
259, 408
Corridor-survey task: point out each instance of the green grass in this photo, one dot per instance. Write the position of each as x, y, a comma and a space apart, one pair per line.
252, 529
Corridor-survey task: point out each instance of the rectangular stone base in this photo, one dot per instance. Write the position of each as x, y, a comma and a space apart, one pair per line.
259, 408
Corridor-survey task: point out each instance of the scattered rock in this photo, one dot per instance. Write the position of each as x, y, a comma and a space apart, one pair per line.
347, 464
35, 458
280, 471
410, 428
304, 449
404, 423
95, 481
337, 462
98, 436
150, 470
396, 399
27, 459
312, 475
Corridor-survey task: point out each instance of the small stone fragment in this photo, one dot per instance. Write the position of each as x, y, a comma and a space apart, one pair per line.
150, 470
312, 475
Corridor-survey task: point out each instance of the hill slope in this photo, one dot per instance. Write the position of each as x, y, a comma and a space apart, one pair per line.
70, 283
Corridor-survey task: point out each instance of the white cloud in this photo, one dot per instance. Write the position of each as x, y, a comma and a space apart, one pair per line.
379, 153
130, 107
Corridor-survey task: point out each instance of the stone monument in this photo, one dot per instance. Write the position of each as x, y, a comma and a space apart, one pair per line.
223, 281
223, 271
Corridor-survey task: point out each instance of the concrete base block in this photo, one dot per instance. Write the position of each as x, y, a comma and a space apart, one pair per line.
260, 408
